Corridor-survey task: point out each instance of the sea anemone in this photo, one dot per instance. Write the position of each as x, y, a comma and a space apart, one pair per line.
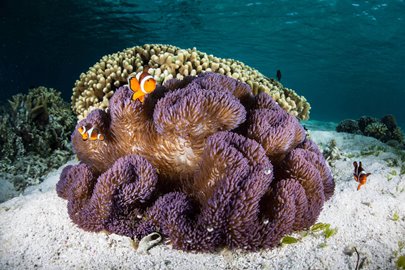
203, 162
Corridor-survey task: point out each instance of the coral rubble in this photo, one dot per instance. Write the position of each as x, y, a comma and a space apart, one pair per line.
95, 87
34, 135
203, 161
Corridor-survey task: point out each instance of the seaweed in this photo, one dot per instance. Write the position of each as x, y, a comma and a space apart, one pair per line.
402, 170
392, 162
401, 262
289, 240
328, 232
318, 229
374, 150
395, 216
391, 174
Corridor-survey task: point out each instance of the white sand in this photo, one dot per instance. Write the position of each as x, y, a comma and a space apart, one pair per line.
36, 232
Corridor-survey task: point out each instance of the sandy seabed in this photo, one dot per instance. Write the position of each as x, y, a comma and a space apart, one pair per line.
36, 232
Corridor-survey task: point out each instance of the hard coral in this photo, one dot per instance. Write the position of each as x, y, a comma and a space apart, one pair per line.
377, 130
34, 135
203, 162
95, 87
384, 129
349, 126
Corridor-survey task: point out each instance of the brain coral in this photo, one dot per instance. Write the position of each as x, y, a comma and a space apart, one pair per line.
203, 162
95, 87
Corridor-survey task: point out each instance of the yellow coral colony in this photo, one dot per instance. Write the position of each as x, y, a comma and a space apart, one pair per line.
96, 86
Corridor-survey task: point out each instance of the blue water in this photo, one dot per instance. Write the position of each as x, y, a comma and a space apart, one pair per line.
346, 57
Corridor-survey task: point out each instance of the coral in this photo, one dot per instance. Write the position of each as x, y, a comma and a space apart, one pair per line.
377, 130
389, 121
95, 87
364, 121
398, 136
34, 134
349, 126
332, 153
203, 162
384, 129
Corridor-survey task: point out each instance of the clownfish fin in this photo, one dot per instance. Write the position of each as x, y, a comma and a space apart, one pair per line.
85, 136
137, 95
363, 177
356, 166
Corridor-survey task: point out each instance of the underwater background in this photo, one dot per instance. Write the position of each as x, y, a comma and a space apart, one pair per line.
346, 57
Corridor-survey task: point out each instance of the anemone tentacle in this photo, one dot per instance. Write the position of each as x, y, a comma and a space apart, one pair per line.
203, 162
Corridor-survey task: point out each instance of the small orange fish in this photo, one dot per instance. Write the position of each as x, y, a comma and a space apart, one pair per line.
359, 174
92, 134
141, 84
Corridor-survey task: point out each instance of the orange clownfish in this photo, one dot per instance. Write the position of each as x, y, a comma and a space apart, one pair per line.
92, 134
141, 84
359, 174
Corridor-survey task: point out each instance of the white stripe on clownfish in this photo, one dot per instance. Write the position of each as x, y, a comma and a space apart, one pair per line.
144, 79
82, 130
138, 75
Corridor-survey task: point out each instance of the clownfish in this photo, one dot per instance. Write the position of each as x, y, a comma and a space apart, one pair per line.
359, 174
92, 134
141, 84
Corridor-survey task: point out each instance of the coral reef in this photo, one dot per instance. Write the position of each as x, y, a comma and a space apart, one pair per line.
332, 153
377, 130
34, 135
384, 129
349, 126
95, 87
203, 161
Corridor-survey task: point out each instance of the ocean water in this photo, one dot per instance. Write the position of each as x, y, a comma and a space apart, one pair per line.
346, 57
